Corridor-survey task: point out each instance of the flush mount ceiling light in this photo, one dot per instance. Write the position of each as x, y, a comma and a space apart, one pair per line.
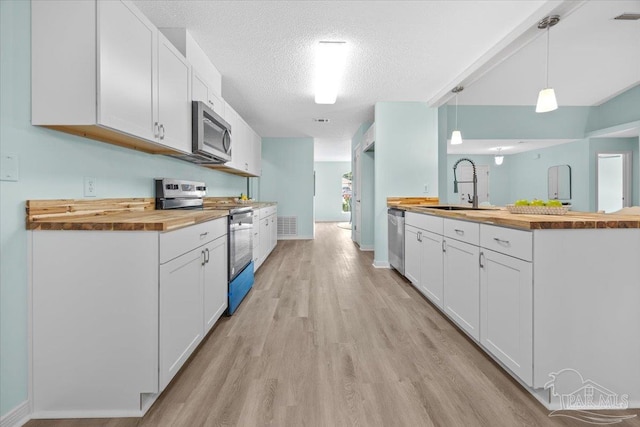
330, 61
547, 96
498, 158
456, 136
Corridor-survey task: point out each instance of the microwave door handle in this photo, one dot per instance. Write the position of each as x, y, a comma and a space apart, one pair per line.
226, 141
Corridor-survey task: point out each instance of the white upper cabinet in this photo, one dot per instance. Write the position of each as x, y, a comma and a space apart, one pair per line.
174, 97
102, 70
200, 91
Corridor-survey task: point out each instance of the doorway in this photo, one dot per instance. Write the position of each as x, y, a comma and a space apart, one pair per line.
613, 185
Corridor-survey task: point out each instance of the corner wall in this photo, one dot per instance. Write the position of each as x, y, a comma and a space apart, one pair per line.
287, 178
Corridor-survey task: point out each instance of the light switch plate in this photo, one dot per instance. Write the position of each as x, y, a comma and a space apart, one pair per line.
9, 167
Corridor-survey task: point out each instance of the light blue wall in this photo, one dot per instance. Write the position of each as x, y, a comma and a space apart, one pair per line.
287, 178
328, 202
406, 158
367, 195
529, 172
499, 179
52, 166
624, 108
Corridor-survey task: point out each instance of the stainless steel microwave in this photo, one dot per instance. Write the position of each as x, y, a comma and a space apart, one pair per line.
211, 136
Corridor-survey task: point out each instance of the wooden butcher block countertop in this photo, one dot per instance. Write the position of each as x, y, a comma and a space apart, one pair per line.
137, 214
571, 220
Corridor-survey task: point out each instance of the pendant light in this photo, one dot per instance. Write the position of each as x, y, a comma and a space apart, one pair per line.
456, 136
547, 96
498, 158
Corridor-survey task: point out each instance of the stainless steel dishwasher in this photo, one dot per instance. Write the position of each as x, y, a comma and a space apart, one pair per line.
395, 227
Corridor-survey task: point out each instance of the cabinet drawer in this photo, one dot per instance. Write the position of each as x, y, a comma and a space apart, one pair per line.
426, 222
268, 211
178, 242
464, 231
515, 243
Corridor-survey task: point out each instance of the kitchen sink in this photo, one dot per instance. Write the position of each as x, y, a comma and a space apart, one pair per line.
458, 208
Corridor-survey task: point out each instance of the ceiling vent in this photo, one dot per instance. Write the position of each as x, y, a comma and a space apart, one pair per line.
321, 120
628, 17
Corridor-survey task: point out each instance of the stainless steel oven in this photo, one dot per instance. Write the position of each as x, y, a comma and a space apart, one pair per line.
240, 240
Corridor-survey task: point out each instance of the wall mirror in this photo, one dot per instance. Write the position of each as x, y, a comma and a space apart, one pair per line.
559, 182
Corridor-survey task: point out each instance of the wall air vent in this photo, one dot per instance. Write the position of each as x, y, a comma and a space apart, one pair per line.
320, 120
628, 17
287, 226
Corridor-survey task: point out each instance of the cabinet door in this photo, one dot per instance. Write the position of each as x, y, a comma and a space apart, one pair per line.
274, 232
255, 163
412, 255
265, 238
256, 240
199, 89
462, 285
174, 97
215, 281
180, 312
506, 311
127, 86
431, 267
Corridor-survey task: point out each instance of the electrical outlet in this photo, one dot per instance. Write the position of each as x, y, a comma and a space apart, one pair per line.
89, 187
426, 188
9, 167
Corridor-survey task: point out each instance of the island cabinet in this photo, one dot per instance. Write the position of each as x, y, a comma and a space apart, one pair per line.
461, 275
101, 69
541, 301
506, 298
424, 255
117, 313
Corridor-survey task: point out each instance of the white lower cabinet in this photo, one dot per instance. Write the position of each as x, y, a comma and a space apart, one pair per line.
506, 311
181, 311
423, 262
461, 285
117, 313
265, 234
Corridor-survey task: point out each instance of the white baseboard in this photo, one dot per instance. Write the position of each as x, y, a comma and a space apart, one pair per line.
55, 415
17, 417
295, 238
366, 248
381, 264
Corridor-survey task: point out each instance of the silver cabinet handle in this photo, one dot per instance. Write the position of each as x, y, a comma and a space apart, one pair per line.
156, 129
162, 133
481, 259
207, 255
444, 246
500, 241
203, 235
204, 258
457, 230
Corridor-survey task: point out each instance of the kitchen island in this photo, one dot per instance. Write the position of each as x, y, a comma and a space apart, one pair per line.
543, 295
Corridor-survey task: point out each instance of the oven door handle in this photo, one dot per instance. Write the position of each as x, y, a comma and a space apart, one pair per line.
240, 216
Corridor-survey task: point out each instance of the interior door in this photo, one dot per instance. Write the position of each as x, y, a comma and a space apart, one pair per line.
465, 191
357, 221
614, 181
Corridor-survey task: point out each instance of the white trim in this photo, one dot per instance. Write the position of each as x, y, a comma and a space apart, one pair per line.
16, 417
381, 264
366, 248
296, 238
29, 319
86, 414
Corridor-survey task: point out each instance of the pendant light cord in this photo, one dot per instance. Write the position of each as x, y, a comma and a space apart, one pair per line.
456, 110
548, 36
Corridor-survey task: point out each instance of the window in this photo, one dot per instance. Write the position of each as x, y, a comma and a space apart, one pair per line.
346, 192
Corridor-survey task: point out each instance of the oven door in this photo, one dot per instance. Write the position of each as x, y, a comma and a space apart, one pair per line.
240, 242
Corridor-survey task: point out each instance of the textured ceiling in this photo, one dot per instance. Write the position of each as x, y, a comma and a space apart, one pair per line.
400, 51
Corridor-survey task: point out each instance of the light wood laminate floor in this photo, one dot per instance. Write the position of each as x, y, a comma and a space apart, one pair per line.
325, 339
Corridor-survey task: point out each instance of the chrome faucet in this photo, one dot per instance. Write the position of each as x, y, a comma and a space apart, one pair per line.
474, 201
